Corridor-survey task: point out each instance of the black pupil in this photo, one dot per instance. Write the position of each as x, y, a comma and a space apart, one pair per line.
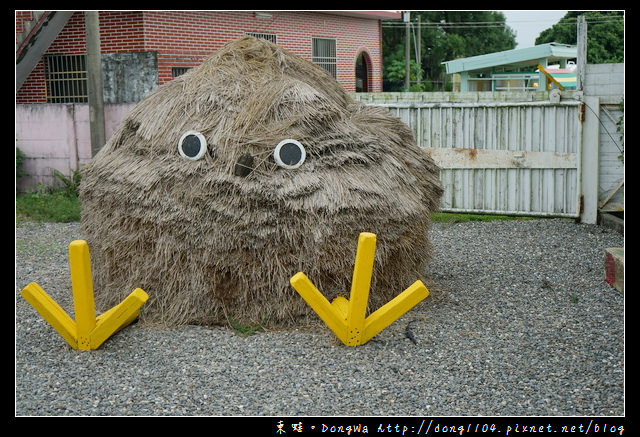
290, 154
191, 146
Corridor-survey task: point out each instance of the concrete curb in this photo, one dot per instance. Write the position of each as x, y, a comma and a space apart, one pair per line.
611, 221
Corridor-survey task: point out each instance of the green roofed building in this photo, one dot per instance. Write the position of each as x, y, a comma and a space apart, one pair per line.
517, 70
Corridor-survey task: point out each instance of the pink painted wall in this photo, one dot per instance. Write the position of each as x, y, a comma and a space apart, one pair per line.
56, 136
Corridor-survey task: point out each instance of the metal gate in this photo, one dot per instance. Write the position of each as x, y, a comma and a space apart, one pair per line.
516, 158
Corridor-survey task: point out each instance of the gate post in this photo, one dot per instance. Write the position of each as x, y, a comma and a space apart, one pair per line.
590, 160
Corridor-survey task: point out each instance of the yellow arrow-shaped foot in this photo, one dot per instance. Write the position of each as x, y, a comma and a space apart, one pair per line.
346, 318
393, 310
330, 315
51, 312
87, 332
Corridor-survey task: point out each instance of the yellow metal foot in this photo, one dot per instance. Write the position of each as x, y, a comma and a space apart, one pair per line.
87, 332
346, 317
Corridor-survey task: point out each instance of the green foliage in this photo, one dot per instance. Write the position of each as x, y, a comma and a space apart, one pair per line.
243, 329
71, 185
57, 207
448, 217
396, 73
20, 157
605, 34
574, 298
444, 36
620, 129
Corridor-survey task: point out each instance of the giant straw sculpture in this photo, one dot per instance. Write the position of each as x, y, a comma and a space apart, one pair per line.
223, 183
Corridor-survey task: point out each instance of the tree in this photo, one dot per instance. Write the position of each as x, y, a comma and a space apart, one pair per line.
605, 34
444, 36
396, 71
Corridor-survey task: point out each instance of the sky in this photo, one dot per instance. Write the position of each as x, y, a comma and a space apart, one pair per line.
529, 23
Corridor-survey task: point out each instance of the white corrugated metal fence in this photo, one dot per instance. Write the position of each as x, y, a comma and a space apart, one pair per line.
503, 157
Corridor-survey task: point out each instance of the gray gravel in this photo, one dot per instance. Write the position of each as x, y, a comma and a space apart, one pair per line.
520, 322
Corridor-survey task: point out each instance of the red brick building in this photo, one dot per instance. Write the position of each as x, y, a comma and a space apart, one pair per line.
158, 45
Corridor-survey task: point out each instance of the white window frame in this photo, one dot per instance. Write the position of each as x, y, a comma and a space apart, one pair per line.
326, 59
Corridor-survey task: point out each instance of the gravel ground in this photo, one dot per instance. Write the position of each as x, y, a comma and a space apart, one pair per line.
519, 323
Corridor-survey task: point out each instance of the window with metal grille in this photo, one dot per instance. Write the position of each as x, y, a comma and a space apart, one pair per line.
323, 54
177, 71
272, 37
66, 78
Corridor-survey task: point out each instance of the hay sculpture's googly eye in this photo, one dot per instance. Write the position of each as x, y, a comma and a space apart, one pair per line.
192, 145
289, 154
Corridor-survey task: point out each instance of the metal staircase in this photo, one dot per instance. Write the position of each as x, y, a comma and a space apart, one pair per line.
35, 39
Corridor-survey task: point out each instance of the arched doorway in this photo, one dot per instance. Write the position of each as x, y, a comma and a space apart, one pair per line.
363, 68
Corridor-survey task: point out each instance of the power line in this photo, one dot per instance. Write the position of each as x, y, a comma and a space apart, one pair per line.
489, 24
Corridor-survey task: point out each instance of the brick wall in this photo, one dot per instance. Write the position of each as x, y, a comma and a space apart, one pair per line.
185, 38
21, 17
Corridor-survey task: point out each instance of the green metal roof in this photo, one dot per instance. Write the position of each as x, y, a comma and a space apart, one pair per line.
552, 52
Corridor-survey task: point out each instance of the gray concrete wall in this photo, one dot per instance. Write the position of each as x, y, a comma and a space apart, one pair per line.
605, 81
129, 77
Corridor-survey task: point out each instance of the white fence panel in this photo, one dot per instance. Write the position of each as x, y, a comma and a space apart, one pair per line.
519, 158
611, 160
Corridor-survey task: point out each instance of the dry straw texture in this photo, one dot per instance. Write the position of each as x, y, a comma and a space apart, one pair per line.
207, 244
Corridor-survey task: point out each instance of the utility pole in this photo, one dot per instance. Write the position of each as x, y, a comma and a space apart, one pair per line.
94, 80
582, 52
419, 49
407, 52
